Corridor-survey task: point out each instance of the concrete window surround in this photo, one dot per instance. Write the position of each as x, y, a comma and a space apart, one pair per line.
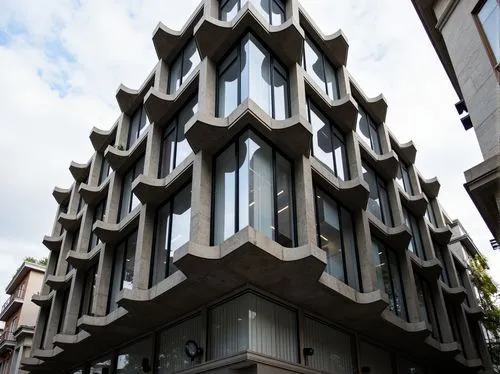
294, 275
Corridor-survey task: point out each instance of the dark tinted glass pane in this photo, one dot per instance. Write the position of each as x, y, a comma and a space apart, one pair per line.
128, 273
386, 208
331, 82
175, 75
340, 152
162, 234
350, 249
284, 201
181, 218
167, 152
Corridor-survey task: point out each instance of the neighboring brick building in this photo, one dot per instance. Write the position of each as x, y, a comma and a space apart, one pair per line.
250, 211
19, 315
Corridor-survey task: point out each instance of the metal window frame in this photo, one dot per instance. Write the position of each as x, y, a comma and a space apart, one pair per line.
484, 37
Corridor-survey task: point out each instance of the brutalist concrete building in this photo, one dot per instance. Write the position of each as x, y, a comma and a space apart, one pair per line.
465, 35
250, 212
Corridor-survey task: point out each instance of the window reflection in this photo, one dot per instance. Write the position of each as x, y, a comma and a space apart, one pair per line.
183, 66
403, 178
138, 124
489, 16
368, 131
258, 195
128, 200
274, 11
251, 72
171, 232
320, 69
131, 360
378, 201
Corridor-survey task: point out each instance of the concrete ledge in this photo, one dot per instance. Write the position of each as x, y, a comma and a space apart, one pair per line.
396, 238
42, 300
113, 233
214, 37
343, 112
80, 172
53, 243
441, 235
160, 106
385, 165
100, 139
64, 340
417, 204
429, 269
168, 42
335, 46
84, 260
353, 193
430, 186
376, 107
31, 363
456, 295
475, 312
406, 151
92, 195
155, 191
70, 222
129, 99
95, 324
121, 160
61, 195
59, 282
450, 350
292, 135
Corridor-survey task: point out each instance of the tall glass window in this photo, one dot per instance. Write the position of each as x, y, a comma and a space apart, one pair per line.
455, 327
123, 269
378, 202
328, 143
332, 348
98, 216
174, 145
337, 238
430, 214
128, 200
273, 10
253, 187
415, 245
488, 16
389, 277
171, 232
252, 323
88, 292
445, 277
170, 355
368, 131
101, 366
132, 359
427, 309
104, 171
403, 178
320, 69
184, 64
250, 71
64, 307
138, 124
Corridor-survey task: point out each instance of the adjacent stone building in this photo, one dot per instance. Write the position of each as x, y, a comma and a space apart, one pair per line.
250, 211
19, 315
466, 37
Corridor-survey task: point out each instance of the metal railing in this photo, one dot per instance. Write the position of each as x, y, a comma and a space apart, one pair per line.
19, 294
6, 335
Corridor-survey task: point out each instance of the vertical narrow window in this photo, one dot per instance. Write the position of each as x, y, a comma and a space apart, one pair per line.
43, 320
415, 245
337, 238
427, 307
430, 214
171, 232
122, 275
274, 11
320, 69
62, 314
228, 9
99, 210
174, 145
403, 178
104, 171
329, 145
100, 366
88, 292
368, 131
455, 327
183, 65
488, 16
128, 200
138, 124
250, 71
254, 181
378, 201
389, 277
445, 277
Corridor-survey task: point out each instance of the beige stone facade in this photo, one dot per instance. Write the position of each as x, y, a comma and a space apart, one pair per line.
250, 207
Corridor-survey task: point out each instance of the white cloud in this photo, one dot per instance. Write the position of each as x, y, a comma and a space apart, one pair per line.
62, 60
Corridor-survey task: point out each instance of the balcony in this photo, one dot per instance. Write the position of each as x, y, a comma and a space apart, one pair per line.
12, 304
7, 341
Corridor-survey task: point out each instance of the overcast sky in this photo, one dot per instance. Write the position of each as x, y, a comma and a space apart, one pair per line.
62, 60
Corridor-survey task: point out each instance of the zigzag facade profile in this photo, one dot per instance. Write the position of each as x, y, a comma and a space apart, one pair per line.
250, 212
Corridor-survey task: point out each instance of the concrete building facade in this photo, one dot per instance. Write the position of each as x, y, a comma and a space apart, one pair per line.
250, 211
465, 35
19, 315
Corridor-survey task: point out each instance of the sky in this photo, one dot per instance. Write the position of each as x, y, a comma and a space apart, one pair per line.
61, 62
